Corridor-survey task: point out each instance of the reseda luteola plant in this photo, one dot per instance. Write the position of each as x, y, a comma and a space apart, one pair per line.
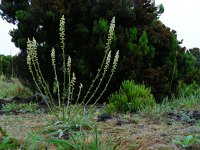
66, 96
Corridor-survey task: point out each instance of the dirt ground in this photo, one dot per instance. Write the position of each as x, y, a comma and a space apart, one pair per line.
130, 131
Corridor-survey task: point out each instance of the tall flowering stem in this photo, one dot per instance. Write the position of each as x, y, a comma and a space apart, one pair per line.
32, 50
62, 41
114, 66
108, 45
34, 68
53, 59
105, 69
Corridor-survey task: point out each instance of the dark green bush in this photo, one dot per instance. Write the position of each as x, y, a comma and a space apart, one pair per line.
194, 73
196, 53
130, 97
6, 66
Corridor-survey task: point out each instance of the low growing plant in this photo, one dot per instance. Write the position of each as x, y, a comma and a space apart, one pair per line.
82, 140
66, 111
6, 141
21, 108
187, 90
130, 98
78, 140
174, 104
186, 141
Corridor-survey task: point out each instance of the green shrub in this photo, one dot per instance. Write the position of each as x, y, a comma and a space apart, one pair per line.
188, 90
13, 87
6, 66
6, 141
130, 97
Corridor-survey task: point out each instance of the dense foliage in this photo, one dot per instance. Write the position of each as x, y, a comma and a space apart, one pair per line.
194, 74
6, 66
130, 98
149, 51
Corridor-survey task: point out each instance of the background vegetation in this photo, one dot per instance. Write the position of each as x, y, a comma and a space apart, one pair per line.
150, 53
6, 66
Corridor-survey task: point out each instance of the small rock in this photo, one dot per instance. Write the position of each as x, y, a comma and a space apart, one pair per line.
163, 134
196, 115
104, 117
42, 102
63, 135
35, 98
16, 98
174, 116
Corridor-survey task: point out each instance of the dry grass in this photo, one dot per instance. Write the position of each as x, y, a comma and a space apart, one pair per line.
144, 134
19, 126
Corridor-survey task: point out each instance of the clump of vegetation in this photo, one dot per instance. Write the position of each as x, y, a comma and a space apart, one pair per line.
194, 74
78, 140
21, 108
130, 97
186, 141
188, 90
13, 87
6, 66
6, 141
188, 99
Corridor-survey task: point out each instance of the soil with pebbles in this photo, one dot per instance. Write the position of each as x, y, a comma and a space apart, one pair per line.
144, 132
